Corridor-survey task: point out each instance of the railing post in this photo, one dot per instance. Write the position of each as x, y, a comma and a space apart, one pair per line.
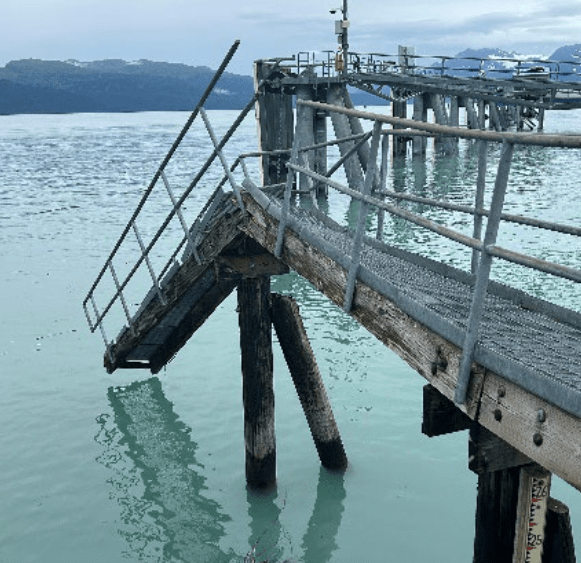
483, 273
286, 200
121, 296
148, 262
180, 216
480, 187
358, 240
382, 184
233, 184
102, 328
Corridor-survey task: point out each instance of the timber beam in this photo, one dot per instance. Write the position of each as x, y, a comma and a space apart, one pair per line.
441, 416
487, 452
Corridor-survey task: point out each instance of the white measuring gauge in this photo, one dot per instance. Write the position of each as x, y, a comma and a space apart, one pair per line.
538, 501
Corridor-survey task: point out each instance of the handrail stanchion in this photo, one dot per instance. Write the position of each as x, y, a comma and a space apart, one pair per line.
244, 167
218, 150
148, 262
480, 187
121, 296
92, 326
102, 328
383, 184
360, 231
483, 273
180, 217
286, 200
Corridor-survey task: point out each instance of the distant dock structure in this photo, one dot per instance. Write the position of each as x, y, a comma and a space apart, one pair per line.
497, 361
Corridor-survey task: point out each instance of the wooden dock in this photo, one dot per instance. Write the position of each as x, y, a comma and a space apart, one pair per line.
496, 360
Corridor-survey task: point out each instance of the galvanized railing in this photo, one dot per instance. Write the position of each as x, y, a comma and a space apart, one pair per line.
503, 68
191, 233
484, 249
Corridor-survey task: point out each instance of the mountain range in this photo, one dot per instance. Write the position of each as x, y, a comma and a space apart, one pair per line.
38, 86
564, 64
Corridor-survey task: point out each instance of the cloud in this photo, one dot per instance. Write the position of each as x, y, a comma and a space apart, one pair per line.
550, 26
197, 32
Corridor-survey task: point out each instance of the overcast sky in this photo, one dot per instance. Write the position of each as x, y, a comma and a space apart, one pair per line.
200, 32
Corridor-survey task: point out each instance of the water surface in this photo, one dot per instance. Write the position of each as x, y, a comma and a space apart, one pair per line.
127, 467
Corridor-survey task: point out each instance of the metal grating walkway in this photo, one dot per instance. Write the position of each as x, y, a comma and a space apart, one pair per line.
534, 343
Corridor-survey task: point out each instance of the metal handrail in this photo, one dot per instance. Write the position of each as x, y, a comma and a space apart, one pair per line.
544, 140
380, 63
95, 319
168, 157
487, 249
165, 223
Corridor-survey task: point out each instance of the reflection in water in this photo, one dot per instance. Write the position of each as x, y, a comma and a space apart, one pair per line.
319, 542
265, 526
159, 484
166, 516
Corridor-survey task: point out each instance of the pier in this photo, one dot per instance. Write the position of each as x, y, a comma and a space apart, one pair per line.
496, 361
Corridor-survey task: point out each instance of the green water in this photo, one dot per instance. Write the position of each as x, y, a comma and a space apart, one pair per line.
126, 467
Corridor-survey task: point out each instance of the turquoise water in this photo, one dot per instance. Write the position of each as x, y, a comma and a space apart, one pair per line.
127, 467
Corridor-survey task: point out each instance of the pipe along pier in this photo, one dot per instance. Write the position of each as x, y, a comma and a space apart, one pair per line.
497, 361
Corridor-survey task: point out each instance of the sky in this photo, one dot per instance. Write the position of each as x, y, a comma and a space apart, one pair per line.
200, 32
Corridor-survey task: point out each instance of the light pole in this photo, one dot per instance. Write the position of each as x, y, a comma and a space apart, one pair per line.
341, 29
345, 38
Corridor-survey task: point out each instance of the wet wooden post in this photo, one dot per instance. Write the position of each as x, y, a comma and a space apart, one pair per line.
559, 546
496, 515
305, 130
494, 117
274, 115
519, 118
321, 153
357, 129
454, 121
454, 111
420, 114
471, 116
498, 466
257, 381
442, 118
399, 109
541, 122
308, 383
